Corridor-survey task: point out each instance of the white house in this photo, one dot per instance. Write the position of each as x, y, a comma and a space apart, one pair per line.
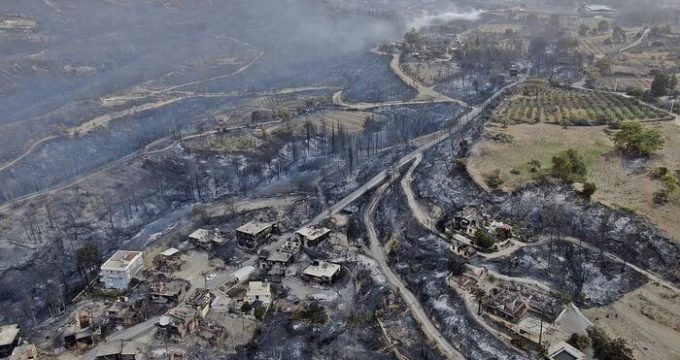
564, 351
118, 271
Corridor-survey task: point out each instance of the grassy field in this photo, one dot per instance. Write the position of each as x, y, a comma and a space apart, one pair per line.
352, 121
647, 319
649, 59
570, 107
595, 45
499, 28
430, 73
609, 82
618, 185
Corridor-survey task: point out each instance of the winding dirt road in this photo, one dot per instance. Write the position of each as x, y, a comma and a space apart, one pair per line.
377, 252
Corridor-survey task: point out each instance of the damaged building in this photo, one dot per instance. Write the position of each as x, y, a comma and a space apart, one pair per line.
254, 234
321, 272
9, 339
312, 235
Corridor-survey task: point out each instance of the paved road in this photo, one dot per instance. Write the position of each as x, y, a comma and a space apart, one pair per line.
427, 326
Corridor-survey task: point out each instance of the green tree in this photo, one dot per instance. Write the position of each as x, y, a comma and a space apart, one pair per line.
660, 84
605, 348
569, 166
589, 189
637, 140
483, 239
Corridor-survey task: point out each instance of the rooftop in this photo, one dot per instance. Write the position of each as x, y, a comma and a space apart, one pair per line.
8, 333
254, 228
322, 269
200, 297
118, 347
259, 288
121, 260
313, 232
170, 252
279, 256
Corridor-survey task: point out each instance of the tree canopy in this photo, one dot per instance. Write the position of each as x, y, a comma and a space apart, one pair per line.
637, 140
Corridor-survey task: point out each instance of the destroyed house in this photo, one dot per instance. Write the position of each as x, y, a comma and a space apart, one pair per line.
254, 234
277, 259
200, 300
122, 312
168, 291
178, 321
206, 239
119, 350
9, 339
507, 305
321, 272
118, 271
468, 221
81, 337
312, 235
25, 352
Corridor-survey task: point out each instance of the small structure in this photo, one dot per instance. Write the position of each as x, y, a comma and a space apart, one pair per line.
206, 239
312, 235
242, 274
564, 351
25, 352
200, 300
322, 272
259, 291
507, 305
254, 234
178, 321
291, 245
119, 350
168, 291
118, 271
171, 254
9, 338
467, 221
122, 312
277, 259
80, 337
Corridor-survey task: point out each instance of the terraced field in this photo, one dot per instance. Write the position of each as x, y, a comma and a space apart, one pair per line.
596, 46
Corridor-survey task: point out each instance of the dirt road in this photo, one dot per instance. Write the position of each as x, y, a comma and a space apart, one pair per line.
427, 326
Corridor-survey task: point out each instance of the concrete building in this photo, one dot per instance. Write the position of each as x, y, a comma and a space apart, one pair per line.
312, 235
254, 234
118, 271
9, 338
321, 272
259, 291
25, 352
206, 239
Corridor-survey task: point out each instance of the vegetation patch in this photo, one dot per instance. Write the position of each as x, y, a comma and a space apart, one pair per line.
538, 102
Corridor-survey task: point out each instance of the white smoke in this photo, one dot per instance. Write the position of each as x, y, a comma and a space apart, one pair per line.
429, 19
